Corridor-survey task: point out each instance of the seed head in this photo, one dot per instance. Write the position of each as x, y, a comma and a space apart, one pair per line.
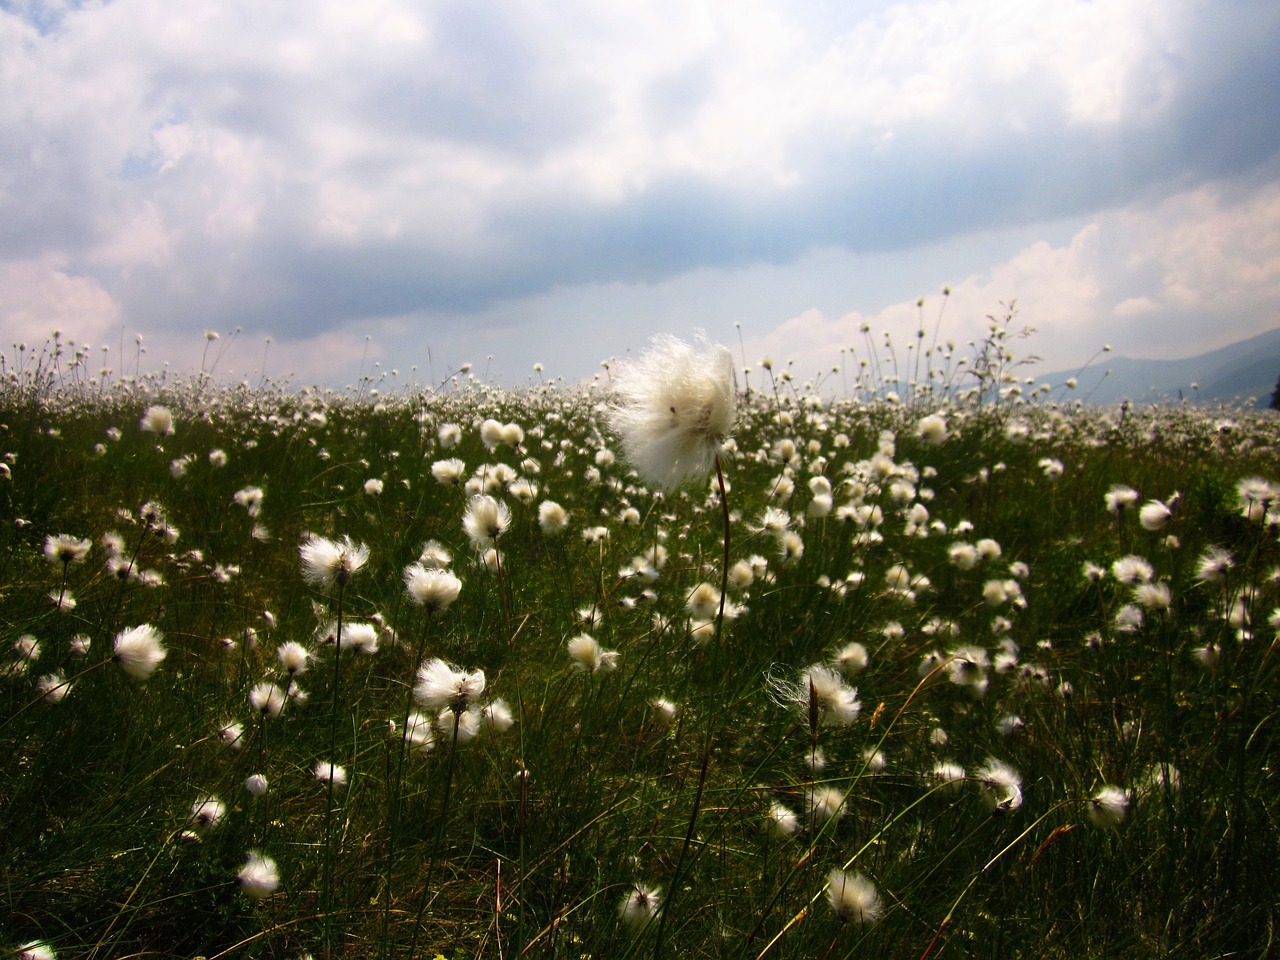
673, 408
327, 562
431, 589
444, 686
853, 898
259, 877
138, 651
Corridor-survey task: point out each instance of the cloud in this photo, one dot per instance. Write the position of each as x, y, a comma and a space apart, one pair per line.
38, 297
1199, 269
323, 167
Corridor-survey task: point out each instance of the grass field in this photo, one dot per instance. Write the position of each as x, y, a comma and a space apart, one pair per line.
995, 674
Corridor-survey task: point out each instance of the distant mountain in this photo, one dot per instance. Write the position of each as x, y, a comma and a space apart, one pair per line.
1232, 374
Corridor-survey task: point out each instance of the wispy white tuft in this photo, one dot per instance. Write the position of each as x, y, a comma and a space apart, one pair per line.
1108, 806
443, 686
639, 907
258, 878
853, 898
432, 589
138, 651
327, 562
1001, 786
485, 520
672, 409
157, 419
587, 654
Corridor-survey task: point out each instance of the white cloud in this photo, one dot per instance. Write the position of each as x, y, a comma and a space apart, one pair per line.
143, 240
38, 297
1214, 248
1202, 270
305, 167
1135, 307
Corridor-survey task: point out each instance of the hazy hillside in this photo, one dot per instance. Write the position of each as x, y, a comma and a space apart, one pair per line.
1231, 374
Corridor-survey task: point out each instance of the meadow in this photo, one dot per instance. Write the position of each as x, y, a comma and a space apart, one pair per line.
434, 672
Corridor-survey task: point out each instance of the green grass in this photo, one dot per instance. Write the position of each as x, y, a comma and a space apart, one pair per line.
525, 842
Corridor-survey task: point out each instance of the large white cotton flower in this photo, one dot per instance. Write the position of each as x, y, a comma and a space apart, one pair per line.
1108, 806
448, 472
251, 499
294, 657
139, 651
780, 821
1256, 495
326, 562
1119, 497
639, 907
418, 733
258, 878
820, 694
434, 556
485, 520
1154, 515
157, 419
36, 950
461, 727
672, 409
430, 588
491, 433
932, 429
267, 699
442, 685
587, 654
207, 813
1000, 785
65, 549
330, 773
552, 517
853, 898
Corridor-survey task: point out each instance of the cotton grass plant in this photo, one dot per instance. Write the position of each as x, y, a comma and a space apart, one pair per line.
772, 666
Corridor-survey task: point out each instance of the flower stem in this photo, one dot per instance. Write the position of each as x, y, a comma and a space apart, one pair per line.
326, 902
435, 851
724, 572
709, 739
396, 791
502, 589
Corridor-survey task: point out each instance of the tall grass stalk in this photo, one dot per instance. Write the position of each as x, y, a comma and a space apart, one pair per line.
437, 846
711, 720
330, 846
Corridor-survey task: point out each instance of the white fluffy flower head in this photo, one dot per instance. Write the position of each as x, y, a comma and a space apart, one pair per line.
432, 589
138, 651
267, 699
326, 562
157, 419
442, 685
587, 655
36, 950
259, 877
65, 549
1108, 806
820, 693
294, 657
853, 898
485, 520
1000, 785
639, 907
673, 407
208, 813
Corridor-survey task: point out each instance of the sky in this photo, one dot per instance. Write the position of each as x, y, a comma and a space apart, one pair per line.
393, 188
